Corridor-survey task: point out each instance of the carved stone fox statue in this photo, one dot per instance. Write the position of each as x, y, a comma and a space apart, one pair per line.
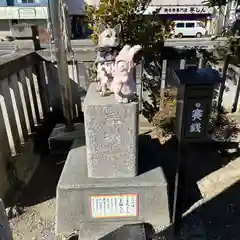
123, 84
108, 43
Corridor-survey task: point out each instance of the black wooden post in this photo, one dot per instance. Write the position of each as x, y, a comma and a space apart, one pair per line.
194, 106
180, 183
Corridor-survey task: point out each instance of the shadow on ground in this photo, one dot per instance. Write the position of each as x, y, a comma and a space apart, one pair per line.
43, 184
202, 160
217, 219
221, 216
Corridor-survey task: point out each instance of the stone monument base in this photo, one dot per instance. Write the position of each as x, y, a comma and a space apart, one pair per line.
111, 131
61, 141
79, 199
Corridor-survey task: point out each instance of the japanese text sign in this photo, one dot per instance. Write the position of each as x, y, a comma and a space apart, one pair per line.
197, 112
114, 206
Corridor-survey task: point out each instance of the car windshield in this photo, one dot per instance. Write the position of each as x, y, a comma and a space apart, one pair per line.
200, 24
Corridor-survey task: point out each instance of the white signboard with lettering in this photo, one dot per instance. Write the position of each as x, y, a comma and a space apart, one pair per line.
114, 206
185, 10
180, 9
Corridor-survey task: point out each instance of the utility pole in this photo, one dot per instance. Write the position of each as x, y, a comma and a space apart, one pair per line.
50, 28
61, 55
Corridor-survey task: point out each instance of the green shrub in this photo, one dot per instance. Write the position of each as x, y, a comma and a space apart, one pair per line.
165, 118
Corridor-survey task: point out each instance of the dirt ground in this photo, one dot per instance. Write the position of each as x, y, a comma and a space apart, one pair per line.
214, 198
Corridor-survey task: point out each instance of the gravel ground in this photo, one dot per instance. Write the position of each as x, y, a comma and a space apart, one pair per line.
38, 220
36, 223
215, 215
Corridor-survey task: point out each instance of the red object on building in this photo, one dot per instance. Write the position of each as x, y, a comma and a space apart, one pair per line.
43, 35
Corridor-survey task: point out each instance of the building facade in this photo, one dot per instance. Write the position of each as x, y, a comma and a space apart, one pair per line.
177, 10
36, 12
23, 11
79, 24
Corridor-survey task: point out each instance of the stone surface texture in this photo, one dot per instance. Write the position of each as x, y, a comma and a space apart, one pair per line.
75, 188
5, 232
111, 136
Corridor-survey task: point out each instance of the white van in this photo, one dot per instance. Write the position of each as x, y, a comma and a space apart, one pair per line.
189, 29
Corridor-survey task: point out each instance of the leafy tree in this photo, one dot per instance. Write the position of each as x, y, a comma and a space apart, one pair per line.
150, 32
215, 3
137, 28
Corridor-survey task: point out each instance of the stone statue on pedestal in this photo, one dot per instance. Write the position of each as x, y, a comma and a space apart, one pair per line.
124, 85
108, 43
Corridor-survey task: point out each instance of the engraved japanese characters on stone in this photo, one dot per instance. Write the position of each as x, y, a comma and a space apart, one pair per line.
197, 115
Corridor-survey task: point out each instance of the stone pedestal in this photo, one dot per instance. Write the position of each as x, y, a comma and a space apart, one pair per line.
60, 141
99, 189
111, 131
77, 194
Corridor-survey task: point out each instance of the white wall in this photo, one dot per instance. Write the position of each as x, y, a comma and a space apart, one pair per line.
23, 13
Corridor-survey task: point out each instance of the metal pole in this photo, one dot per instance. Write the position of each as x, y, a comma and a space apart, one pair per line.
64, 80
50, 21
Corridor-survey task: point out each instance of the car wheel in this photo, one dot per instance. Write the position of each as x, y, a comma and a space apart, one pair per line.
198, 35
180, 35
